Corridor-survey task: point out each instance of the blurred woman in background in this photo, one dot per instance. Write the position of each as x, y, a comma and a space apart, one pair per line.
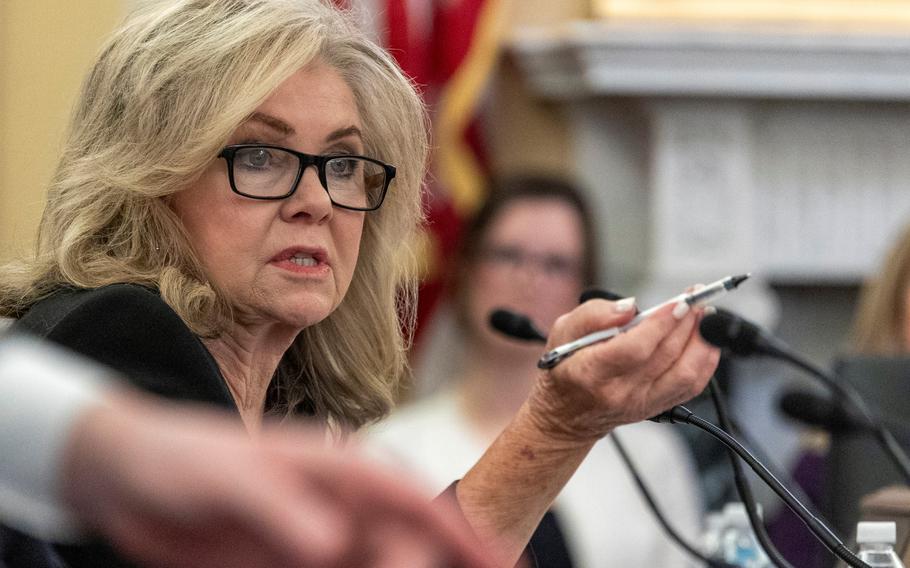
882, 325
532, 249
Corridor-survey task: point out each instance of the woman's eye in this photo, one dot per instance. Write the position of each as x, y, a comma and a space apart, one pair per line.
259, 159
254, 157
342, 167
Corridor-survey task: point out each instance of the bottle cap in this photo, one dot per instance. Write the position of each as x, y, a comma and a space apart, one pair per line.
715, 520
735, 513
876, 533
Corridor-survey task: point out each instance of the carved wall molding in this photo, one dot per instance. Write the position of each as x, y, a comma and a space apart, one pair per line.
851, 11
709, 153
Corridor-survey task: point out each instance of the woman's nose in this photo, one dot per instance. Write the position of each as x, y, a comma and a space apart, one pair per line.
310, 200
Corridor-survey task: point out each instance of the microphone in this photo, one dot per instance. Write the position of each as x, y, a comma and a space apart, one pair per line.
727, 330
742, 337
821, 412
520, 326
814, 410
516, 326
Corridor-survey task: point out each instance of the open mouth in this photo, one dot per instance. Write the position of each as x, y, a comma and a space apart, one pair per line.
301, 259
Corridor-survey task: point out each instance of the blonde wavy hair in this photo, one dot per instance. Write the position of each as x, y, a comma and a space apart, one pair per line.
880, 326
165, 94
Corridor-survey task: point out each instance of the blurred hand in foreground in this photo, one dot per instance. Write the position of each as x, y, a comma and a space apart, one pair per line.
173, 486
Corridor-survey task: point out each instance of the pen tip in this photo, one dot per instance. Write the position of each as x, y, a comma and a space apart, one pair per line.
737, 280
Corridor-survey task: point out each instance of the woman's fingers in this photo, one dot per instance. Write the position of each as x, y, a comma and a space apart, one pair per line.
298, 523
626, 352
671, 347
593, 315
637, 374
691, 371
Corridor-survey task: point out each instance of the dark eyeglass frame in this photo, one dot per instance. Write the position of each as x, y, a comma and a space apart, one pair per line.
551, 265
305, 161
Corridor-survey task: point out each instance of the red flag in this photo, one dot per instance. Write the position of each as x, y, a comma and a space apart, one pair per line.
449, 48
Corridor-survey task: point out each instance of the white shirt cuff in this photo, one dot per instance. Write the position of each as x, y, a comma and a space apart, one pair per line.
43, 391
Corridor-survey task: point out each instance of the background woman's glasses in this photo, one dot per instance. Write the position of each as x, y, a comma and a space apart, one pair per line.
550, 265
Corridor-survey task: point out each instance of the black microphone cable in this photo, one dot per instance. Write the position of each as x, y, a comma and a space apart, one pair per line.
741, 337
517, 326
778, 472
727, 422
681, 414
655, 509
742, 484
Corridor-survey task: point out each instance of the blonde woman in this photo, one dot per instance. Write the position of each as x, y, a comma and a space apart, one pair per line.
232, 222
882, 325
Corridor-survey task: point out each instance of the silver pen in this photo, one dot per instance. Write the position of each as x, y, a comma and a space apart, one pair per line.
696, 298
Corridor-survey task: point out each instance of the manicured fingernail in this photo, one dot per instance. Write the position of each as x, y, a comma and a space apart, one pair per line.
710, 310
624, 305
680, 310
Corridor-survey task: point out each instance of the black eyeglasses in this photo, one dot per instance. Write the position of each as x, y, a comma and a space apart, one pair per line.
261, 171
550, 265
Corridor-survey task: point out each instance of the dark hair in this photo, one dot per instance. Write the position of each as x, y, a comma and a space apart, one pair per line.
502, 192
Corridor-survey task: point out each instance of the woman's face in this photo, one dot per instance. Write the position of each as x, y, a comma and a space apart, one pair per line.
530, 261
289, 261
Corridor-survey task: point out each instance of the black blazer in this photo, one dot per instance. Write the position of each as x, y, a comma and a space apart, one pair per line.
132, 330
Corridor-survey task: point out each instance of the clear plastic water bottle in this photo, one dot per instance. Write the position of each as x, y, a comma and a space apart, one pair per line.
876, 544
715, 523
738, 542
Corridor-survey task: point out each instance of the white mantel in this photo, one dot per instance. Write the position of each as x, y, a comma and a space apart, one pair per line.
592, 58
713, 149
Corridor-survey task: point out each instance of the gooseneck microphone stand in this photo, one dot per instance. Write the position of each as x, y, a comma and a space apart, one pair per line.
742, 484
727, 330
682, 415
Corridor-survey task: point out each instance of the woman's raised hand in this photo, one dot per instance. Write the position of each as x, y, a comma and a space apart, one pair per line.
640, 373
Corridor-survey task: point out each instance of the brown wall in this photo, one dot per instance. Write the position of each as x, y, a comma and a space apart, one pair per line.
526, 133
46, 47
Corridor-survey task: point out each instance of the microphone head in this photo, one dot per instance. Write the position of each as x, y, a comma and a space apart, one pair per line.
726, 330
516, 326
819, 411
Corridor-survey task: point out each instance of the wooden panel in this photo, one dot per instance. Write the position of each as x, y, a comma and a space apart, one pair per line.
45, 49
